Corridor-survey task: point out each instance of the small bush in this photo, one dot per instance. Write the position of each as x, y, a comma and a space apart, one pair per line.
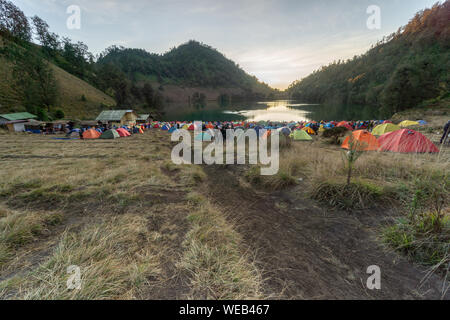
425, 238
334, 134
355, 196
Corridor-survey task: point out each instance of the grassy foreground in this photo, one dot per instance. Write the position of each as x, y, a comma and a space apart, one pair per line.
412, 189
121, 212
140, 227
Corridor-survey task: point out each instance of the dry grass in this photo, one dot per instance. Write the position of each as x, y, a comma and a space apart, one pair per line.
119, 211
213, 257
416, 186
115, 258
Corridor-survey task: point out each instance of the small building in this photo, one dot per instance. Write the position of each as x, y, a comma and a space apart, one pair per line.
118, 117
89, 124
15, 122
34, 126
143, 118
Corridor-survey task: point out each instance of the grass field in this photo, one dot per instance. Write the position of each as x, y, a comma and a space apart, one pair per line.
140, 227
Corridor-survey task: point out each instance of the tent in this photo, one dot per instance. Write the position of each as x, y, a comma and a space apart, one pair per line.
384, 128
408, 123
309, 130
422, 122
301, 135
138, 130
165, 127
110, 134
123, 133
406, 141
345, 124
363, 141
191, 127
204, 136
91, 134
285, 131
173, 129
73, 134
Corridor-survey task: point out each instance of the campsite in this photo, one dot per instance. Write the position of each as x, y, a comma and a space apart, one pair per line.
81, 199
224, 158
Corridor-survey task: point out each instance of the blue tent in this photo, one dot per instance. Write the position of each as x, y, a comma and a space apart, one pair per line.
203, 137
422, 122
173, 129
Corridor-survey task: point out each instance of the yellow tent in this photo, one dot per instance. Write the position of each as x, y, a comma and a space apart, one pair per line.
384, 128
408, 123
309, 130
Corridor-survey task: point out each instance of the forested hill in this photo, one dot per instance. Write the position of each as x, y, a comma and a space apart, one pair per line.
192, 64
402, 71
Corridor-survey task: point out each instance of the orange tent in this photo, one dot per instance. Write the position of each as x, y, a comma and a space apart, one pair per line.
210, 126
363, 141
308, 130
91, 134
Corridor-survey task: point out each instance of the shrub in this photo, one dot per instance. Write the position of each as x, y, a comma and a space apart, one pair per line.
425, 238
334, 134
353, 196
59, 114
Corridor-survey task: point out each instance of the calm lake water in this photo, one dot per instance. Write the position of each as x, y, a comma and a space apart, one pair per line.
279, 110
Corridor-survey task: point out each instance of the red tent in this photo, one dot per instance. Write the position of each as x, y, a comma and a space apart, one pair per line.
408, 141
91, 134
123, 133
345, 124
191, 127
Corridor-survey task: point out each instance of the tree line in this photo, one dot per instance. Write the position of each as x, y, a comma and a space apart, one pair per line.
403, 70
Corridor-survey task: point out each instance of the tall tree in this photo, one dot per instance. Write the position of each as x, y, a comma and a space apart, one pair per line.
13, 21
49, 40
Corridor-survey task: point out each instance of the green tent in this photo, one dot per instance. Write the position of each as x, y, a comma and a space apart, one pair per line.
384, 128
110, 134
300, 135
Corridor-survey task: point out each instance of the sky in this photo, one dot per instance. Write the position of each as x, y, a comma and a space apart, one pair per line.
278, 41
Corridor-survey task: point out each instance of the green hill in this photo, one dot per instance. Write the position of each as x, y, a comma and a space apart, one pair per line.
192, 64
402, 71
19, 89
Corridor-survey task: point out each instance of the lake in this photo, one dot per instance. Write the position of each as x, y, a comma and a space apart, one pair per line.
279, 110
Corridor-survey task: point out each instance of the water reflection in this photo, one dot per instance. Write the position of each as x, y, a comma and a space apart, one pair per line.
280, 110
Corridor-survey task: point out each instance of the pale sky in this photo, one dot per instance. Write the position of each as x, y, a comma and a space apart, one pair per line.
278, 41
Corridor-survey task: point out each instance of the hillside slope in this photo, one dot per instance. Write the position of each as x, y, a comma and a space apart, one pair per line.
191, 65
400, 72
75, 97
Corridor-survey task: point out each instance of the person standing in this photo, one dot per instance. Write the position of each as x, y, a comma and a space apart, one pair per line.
446, 132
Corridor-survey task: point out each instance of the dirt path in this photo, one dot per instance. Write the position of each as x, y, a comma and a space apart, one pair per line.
307, 252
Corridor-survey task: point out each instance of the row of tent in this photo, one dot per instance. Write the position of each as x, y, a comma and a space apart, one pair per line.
391, 137
403, 141
109, 134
